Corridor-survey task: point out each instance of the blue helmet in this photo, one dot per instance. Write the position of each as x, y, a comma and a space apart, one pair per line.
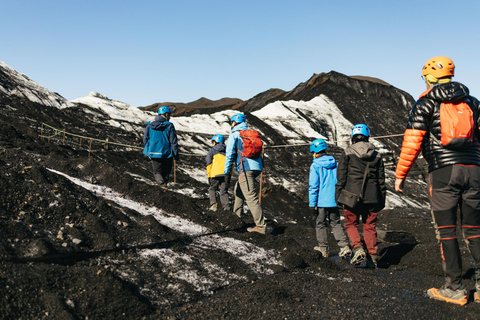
238, 118
164, 109
218, 138
361, 129
318, 145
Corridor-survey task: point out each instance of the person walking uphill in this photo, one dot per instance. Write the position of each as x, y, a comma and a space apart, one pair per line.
444, 124
321, 195
161, 145
215, 160
249, 168
361, 172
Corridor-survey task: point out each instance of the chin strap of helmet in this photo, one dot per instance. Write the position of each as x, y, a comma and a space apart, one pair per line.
431, 80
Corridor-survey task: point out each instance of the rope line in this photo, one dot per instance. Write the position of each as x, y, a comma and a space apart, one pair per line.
89, 138
334, 141
58, 131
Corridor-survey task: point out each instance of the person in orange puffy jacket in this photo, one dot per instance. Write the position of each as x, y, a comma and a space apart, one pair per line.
444, 124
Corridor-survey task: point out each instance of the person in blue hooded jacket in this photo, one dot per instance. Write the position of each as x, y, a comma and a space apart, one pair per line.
321, 195
249, 169
161, 145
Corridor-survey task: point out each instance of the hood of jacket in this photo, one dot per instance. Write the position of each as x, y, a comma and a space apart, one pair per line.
159, 124
450, 91
240, 126
219, 148
325, 161
363, 150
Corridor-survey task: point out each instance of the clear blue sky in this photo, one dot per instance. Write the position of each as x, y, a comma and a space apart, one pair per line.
142, 52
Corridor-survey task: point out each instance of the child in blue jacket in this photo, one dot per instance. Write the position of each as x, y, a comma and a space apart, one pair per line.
321, 194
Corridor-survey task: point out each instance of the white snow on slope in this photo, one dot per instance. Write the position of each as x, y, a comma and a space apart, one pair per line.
25, 87
248, 253
292, 119
121, 114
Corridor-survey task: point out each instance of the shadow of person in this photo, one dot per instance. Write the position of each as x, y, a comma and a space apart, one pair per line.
392, 255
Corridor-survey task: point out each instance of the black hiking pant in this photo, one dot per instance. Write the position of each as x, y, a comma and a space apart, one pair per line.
161, 170
451, 188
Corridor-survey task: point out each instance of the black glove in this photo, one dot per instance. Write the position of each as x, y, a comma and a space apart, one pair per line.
209, 181
228, 178
314, 211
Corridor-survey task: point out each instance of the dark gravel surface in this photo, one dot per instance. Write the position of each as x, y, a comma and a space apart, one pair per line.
66, 253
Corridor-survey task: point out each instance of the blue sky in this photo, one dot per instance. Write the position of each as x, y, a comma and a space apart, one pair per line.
142, 52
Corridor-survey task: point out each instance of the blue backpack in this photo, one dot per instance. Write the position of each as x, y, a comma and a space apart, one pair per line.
158, 144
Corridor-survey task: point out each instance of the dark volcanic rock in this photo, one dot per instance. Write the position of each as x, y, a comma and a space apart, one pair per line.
89, 235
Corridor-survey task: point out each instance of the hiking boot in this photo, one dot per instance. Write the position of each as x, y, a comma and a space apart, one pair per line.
476, 297
345, 252
458, 296
372, 262
358, 256
213, 207
257, 229
323, 250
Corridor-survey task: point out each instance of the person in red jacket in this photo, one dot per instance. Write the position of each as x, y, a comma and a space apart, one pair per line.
444, 124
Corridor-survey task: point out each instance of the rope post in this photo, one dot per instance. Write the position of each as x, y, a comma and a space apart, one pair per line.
174, 171
41, 134
90, 149
63, 136
80, 142
261, 177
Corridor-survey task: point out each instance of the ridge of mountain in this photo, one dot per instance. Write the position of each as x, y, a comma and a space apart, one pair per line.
14, 83
202, 105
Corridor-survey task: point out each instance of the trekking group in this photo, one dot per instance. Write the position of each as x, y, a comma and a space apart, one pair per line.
444, 124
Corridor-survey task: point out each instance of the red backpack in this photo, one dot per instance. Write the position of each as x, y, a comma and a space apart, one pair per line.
457, 125
252, 144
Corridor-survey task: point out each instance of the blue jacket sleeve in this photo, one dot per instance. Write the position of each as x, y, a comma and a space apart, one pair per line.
146, 134
174, 141
314, 185
230, 153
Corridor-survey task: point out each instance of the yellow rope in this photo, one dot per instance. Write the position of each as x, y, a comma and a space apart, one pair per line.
89, 138
57, 131
307, 144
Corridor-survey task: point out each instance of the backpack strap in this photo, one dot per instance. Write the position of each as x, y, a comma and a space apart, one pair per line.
364, 179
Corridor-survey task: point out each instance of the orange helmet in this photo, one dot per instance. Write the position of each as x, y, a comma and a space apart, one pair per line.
439, 67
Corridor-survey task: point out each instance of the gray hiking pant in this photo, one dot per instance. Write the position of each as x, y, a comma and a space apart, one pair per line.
221, 185
245, 191
321, 227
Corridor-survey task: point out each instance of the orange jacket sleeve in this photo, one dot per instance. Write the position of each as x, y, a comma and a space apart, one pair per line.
411, 146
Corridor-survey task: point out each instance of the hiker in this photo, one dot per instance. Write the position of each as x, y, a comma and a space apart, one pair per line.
249, 168
361, 175
216, 178
321, 195
161, 145
444, 125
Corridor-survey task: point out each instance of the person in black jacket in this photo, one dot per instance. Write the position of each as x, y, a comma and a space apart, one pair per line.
359, 157
452, 151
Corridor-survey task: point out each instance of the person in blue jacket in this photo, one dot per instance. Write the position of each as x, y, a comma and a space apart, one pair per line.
321, 195
161, 145
248, 169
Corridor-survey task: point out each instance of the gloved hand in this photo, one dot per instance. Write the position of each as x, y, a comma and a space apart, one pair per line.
228, 178
209, 181
314, 211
